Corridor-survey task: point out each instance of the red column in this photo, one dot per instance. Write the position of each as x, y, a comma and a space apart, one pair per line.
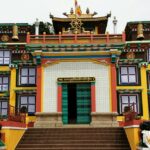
39, 88
113, 88
59, 98
93, 103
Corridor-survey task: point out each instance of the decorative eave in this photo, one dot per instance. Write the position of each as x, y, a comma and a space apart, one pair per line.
25, 91
140, 62
130, 61
133, 50
20, 63
87, 53
136, 46
112, 54
73, 47
4, 43
75, 51
138, 42
11, 24
13, 46
94, 19
131, 91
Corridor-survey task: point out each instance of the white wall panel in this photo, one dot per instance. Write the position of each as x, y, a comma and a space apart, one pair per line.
76, 69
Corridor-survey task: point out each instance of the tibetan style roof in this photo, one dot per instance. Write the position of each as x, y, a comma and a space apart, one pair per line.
94, 19
100, 22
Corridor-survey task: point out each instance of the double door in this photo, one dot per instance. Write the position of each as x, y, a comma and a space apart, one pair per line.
76, 103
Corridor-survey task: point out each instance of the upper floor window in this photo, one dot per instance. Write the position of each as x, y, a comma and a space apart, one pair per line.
148, 80
4, 83
3, 107
129, 100
4, 57
27, 101
148, 55
128, 75
27, 76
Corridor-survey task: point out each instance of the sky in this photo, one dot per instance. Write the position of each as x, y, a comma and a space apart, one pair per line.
26, 11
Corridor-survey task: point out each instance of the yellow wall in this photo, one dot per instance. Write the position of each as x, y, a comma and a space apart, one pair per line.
144, 94
143, 88
13, 88
4, 68
133, 136
12, 137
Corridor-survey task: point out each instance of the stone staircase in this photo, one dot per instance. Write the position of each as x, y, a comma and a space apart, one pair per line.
74, 139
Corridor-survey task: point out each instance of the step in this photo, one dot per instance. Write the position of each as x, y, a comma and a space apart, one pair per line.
77, 135
103, 148
74, 139
61, 141
71, 145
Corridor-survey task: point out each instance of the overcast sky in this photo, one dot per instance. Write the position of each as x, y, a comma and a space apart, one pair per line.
28, 10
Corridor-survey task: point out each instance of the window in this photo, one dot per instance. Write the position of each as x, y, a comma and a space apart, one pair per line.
3, 107
4, 57
148, 80
128, 100
27, 76
148, 55
27, 101
128, 75
4, 83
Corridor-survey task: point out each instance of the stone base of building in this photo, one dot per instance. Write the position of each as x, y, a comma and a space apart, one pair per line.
52, 120
48, 120
104, 120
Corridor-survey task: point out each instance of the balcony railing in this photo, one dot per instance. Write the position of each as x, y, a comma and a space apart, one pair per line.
15, 115
76, 38
130, 114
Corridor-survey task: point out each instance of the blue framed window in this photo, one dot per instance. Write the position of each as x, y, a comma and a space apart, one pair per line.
28, 101
129, 100
4, 83
4, 107
4, 57
128, 75
27, 76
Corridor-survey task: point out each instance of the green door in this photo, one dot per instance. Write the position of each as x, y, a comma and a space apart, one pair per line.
65, 103
83, 103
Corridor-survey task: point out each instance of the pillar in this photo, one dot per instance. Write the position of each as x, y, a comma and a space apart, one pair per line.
39, 89
113, 88
59, 98
93, 103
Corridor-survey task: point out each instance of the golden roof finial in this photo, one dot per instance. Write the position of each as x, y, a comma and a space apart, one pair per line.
71, 11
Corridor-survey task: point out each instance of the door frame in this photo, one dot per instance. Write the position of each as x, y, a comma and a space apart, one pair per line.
59, 91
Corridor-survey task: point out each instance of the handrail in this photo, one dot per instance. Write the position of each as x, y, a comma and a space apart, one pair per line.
60, 37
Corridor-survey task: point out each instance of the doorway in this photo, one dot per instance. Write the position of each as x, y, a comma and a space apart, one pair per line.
76, 103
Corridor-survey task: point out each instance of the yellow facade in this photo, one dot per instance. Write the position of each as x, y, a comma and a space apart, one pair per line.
14, 88
12, 136
133, 136
144, 95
